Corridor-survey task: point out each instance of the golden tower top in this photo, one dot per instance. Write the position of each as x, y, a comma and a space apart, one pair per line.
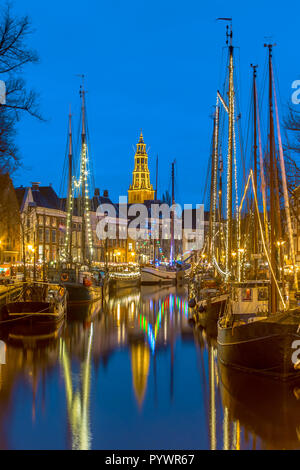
141, 189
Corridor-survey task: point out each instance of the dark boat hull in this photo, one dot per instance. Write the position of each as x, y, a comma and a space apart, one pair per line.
208, 319
78, 293
115, 284
32, 317
263, 346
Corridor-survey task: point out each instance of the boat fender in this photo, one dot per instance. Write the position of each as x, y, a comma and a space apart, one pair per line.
201, 308
192, 303
64, 277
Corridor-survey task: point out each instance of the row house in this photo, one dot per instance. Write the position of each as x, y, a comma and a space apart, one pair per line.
9, 222
43, 227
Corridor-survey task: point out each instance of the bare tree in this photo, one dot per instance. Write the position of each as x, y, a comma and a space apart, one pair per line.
14, 55
292, 150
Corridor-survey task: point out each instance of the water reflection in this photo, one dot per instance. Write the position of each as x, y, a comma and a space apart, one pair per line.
133, 373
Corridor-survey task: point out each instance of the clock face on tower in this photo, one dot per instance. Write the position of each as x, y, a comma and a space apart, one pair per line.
141, 189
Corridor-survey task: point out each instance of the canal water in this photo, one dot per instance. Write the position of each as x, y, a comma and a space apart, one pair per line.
134, 374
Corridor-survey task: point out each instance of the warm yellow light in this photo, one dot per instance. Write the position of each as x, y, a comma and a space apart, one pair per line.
233, 253
241, 250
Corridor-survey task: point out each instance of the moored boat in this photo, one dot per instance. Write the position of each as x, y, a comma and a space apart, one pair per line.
39, 307
121, 278
157, 275
82, 286
260, 331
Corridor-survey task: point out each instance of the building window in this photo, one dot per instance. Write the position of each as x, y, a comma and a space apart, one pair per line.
47, 220
53, 236
40, 253
47, 235
41, 233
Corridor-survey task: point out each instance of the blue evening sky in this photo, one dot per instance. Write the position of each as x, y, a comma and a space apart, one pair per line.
153, 65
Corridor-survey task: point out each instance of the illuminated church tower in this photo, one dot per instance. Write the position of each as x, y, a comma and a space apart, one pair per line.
140, 189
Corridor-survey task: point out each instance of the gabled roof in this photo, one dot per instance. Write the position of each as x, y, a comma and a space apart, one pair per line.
45, 196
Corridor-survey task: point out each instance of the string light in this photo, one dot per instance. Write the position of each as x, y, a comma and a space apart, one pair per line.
229, 168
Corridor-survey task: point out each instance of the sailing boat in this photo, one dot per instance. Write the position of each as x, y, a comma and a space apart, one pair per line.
83, 283
164, 274
209, 292
257, 333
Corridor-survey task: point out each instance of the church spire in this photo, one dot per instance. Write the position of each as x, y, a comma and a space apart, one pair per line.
141, 189
141, 140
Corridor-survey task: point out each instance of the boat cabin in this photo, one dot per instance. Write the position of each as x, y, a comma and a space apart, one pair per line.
250, 297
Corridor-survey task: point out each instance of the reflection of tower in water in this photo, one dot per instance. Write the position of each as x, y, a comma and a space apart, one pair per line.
140, 363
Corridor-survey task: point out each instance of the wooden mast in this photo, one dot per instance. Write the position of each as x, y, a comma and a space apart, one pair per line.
82, 174
272, 163
172, 217
70, 208
255, 241
220, 211
156, 177
229, 157
213, 187
156, 184
210, 236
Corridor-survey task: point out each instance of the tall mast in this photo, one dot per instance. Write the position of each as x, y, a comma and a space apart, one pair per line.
255, 243
229, 155
272, 163
172, 218
220, 211
213, 186
154, 240
69, 203
83, 170
70, 208
156, 178
86, 232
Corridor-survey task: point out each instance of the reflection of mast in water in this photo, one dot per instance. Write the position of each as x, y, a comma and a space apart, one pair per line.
140, 362
212, 400
78, 401
235, 438
226, 429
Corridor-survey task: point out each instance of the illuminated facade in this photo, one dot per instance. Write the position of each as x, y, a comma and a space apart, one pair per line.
141, 189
